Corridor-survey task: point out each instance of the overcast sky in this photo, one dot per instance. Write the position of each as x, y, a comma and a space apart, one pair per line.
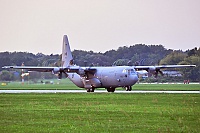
98, 25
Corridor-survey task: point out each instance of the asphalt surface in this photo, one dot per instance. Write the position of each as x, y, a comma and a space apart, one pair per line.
96, 91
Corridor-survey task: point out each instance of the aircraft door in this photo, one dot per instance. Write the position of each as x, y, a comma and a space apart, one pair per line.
121, 76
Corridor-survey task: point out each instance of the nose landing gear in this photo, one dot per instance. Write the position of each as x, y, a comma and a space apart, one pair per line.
128, 88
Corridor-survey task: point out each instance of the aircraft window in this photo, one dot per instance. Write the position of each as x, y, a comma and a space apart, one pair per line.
132, 71
129, 71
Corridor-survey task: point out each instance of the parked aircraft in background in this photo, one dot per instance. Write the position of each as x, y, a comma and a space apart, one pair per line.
97, 77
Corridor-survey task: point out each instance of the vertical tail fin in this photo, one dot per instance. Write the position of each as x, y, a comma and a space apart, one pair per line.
67, 58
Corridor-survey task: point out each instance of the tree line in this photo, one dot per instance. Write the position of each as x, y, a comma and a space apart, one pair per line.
138, 54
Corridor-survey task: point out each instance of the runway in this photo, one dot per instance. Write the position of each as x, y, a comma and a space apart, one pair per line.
96, 91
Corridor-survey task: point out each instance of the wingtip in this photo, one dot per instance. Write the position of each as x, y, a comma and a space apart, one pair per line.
7, 67
4, 67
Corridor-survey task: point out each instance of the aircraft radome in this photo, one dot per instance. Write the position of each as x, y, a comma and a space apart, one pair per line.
97, 77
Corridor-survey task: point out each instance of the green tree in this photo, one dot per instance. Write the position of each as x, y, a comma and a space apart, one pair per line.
174, 58
191, 73
121, 62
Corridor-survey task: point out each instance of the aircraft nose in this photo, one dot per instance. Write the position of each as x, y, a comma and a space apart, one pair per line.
134, 78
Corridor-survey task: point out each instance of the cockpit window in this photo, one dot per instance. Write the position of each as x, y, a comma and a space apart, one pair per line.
129, 71
132, 71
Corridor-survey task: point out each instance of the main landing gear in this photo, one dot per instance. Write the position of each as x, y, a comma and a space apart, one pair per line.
90, 90
111, 89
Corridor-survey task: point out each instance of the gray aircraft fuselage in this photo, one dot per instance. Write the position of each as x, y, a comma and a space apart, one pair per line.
105, 77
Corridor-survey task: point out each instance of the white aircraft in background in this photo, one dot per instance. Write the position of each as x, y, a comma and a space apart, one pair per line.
97, 77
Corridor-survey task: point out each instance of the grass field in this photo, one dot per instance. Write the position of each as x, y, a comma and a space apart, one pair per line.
106, 112
65, 84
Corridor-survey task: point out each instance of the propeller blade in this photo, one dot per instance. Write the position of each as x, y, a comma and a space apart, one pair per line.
161, 73
66, 75
149, 74
60, 75
156, 74
158, 71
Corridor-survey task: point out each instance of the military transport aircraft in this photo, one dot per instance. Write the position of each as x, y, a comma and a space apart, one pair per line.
97, 77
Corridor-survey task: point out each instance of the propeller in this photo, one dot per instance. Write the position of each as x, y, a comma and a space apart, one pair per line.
89, 72
155, 71
60, 74
158, 71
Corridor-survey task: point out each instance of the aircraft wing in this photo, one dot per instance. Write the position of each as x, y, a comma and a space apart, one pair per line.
31, 68
161, 67
55, 70
156, 69
43, 68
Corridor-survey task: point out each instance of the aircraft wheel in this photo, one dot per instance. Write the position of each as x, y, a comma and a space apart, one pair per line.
128, 88
111, 89
92, 89
88, 90
108, 89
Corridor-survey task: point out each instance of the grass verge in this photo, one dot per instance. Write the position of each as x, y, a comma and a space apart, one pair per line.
106, 112
66, 84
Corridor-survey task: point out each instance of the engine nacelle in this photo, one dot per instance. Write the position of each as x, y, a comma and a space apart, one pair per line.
151, 71
56, 70
81, 72
93, 82
154, 71
152, 68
